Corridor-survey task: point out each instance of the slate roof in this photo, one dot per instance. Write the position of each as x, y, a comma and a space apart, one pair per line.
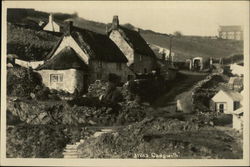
67, 58
135, 40
97, 46
233, 95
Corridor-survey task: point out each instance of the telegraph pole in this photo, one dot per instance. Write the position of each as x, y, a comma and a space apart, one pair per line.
170, 48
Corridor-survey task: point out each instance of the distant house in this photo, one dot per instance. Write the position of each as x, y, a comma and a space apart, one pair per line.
165, 62
238, 119
236, 83
141, 58
51, 25
226, 101
231, 32
237, 69
196, 63
80, 58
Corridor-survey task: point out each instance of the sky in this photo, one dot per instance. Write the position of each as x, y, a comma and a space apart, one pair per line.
189, 17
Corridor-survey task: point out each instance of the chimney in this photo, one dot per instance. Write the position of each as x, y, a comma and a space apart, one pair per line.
51, 18
115, 23
163, 54
68, 27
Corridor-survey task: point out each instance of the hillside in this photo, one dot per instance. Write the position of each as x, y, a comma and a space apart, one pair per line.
183, 46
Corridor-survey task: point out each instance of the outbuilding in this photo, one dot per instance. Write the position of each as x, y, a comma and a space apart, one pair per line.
226, 101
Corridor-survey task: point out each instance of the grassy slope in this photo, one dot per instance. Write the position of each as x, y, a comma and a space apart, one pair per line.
29, 44
184, 47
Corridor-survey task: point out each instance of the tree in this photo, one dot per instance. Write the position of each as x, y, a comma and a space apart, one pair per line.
178, 34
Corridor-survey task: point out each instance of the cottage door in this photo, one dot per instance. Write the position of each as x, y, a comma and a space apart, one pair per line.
85, 82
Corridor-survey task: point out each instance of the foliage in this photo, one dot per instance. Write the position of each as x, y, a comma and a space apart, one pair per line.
22, 81
36, 141
178, 33
147, 89
42, 141
29, 44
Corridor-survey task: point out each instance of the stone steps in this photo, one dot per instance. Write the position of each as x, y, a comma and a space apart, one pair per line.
71, 152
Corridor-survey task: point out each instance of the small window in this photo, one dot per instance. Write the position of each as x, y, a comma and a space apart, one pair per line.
221, 108
145, 70
236, 105
118, 66
55, 78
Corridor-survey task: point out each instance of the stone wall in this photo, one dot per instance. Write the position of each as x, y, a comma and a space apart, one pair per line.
72, 79
143, 64
107, 68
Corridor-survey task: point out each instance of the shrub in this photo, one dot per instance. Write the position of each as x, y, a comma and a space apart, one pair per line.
21, 81
42, 141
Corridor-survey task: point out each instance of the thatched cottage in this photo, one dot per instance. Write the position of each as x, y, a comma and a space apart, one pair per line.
80, 58
141, 59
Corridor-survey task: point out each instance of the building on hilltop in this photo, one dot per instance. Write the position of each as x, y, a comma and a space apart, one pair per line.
231, 32
52, 25
141, 58
80, 58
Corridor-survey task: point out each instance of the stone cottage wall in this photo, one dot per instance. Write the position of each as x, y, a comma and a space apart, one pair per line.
143, 63
107, 68
72, 79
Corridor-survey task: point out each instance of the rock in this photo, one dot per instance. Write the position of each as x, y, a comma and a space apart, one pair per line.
91, 122
32, 95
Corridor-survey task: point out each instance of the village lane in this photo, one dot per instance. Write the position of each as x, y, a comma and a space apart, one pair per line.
181, 90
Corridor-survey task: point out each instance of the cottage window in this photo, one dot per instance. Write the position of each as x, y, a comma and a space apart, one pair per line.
236, 105
118, 66
221, 108
54, 78
140, 57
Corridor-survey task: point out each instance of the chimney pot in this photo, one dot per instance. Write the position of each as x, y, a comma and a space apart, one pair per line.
115, 23
69, 27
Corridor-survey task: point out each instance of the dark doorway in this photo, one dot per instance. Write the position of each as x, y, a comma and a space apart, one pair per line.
85, 83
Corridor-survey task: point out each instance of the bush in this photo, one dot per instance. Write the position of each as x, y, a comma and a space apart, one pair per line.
36, 141
21, 81
42, 141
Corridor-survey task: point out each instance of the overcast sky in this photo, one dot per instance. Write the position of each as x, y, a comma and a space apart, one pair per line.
189, 17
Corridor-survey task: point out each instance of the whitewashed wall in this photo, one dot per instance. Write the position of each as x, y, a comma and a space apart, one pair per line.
72, 79
117, 38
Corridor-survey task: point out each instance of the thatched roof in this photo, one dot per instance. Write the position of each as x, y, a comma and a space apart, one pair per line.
97, 46
67, 58
135, 40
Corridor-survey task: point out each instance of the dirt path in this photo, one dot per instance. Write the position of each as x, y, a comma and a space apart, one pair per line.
179, 89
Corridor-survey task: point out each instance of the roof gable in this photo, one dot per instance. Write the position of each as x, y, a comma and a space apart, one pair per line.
223, 95
67, 58
135, 40
97, 46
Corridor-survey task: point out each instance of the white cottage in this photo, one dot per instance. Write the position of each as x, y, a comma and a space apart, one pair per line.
226, 101
52, 25
80, 58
